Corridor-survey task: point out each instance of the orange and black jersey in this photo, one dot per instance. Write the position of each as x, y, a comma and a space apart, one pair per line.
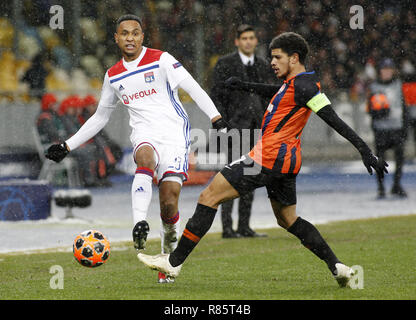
278, 149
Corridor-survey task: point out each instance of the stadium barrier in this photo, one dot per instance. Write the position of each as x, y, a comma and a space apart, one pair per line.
24, 199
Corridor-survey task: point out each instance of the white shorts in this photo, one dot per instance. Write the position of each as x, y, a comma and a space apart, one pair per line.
172, 162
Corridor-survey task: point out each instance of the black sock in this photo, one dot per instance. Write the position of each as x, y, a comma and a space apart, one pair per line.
312, 239
197, 226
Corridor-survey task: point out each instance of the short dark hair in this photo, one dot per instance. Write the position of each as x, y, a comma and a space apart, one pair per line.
243, 28
128, 17
291, 42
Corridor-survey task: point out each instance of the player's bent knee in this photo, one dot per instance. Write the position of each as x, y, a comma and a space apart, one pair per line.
146, 163
208, 198
145, 157
212, 198
169, 204
218, 191
281, 223
168, 209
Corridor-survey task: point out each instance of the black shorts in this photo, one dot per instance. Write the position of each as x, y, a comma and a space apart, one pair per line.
245, 176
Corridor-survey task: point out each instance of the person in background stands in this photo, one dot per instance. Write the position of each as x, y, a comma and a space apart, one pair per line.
389, 121
409, 93
87, 154
242, 110
109, 151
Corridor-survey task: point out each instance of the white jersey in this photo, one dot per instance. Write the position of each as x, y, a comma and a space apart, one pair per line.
147, 87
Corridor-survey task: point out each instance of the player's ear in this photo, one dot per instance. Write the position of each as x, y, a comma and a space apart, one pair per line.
116, 37
294, 58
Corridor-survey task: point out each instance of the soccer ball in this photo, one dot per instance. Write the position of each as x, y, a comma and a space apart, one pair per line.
91, 248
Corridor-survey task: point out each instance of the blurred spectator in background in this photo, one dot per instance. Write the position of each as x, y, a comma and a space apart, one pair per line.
58, 121
50, 126
242, 110
69, 111
86, 155
389, 27
409, 93
109, 151
389, 121
36, 75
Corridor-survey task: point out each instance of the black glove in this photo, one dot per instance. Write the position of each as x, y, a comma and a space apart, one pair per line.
234, 83
221, 125
57, 152
372, 162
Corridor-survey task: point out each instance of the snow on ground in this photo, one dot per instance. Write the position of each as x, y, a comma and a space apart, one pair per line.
325, 194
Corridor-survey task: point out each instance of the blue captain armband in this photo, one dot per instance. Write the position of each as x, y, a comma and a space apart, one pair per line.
318, 102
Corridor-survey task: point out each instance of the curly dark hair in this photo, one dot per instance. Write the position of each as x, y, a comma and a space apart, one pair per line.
291, 42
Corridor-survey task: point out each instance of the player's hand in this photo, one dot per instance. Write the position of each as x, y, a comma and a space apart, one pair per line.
57, 152
221, 125
233, 83
372, 162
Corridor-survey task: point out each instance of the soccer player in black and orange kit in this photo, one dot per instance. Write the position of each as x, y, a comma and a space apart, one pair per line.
274, 161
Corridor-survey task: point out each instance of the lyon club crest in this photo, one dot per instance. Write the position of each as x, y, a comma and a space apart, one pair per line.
149, 77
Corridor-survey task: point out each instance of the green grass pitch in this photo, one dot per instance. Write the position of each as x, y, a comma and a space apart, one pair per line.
272, 268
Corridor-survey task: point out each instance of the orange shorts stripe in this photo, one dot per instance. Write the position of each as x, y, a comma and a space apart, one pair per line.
191, 236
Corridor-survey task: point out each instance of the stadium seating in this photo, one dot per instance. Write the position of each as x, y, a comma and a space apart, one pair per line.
6, 33
8, 74
337, 46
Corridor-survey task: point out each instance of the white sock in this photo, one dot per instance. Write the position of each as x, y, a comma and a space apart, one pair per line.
169, 233
141, 193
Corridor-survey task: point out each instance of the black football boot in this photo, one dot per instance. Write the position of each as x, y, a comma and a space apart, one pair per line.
140, 232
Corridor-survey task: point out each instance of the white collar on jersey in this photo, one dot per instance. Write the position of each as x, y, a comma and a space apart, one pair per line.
246, 59
135, 62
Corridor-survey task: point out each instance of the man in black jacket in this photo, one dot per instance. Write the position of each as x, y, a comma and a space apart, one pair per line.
242, 110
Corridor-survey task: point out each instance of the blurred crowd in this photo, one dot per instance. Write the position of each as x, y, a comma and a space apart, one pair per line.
345, 58
59, 120
43, 59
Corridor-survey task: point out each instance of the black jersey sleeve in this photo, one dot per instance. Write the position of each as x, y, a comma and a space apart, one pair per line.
369, 159
331, 118
265, 90
306, 87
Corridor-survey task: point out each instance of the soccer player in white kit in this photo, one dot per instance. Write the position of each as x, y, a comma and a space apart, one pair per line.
146, 81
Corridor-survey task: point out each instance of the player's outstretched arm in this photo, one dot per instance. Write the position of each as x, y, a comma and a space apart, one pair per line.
57, 152
204, 102
91, 127
369, 159
263, 89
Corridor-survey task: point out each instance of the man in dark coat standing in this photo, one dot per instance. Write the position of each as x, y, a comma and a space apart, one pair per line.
242, 110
